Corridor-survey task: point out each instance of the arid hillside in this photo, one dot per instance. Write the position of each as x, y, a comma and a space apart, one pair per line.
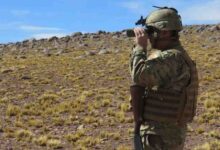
73, 92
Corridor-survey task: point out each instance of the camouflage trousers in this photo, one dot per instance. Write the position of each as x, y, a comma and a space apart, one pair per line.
158, 136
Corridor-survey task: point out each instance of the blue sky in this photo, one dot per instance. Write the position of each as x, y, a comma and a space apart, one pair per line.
25, 19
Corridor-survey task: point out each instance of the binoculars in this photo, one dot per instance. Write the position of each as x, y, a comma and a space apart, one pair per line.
130, 32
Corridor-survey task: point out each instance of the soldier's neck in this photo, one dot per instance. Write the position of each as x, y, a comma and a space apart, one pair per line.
169, 44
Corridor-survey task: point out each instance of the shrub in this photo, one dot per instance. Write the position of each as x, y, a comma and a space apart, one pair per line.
12, 110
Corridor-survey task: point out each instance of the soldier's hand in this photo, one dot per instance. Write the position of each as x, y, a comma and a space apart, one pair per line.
141, 37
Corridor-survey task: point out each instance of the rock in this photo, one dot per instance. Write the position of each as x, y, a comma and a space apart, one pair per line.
117, 33
61, 51
9, 46
13, 48
184, 31
214, 28
117, 51
103, 51
54, 38
9, 148
25, 42
205, 46
56, 44
84, 36
66, 39
22, 57
115, 36
91, 53
1, 47
42, 41
94, 36
101, 32
32, 40
22, 51
25, 78
18, 43
124, 34
200, 29
80, 127
76, 34
47, 52
83, 45
80, 57
213, 39
7, 70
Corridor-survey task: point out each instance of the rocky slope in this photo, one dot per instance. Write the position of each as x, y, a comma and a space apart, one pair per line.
78, 40
72, 92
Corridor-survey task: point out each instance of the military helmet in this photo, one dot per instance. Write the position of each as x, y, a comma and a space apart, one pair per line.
164, 19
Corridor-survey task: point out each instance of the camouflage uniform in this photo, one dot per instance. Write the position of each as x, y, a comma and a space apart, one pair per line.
161, 69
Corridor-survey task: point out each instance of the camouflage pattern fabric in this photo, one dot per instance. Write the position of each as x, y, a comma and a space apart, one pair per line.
160, 69
167, 70
158, 136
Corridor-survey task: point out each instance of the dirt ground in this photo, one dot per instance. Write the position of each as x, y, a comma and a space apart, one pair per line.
79, 101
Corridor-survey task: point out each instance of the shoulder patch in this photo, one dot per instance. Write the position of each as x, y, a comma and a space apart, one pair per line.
170, 53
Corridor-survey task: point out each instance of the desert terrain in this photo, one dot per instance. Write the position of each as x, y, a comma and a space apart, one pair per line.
73, 92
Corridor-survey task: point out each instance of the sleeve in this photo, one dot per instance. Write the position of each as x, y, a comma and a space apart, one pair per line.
138, 56
168, 67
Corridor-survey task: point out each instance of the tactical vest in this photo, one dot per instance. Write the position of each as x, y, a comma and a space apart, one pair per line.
170, 106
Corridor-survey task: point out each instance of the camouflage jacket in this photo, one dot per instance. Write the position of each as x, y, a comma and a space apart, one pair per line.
159, 69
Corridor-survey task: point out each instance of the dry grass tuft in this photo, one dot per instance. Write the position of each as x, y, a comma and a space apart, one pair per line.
13, 110
64, 102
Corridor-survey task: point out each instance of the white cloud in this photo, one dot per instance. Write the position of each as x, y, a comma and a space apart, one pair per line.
204, 11
134, 6
38, 28
192, 12
9, 25
20, 13
48, 35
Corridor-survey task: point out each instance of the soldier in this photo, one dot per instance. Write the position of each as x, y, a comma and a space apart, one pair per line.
164, 83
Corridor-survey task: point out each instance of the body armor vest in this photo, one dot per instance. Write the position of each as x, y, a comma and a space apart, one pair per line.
170, 106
